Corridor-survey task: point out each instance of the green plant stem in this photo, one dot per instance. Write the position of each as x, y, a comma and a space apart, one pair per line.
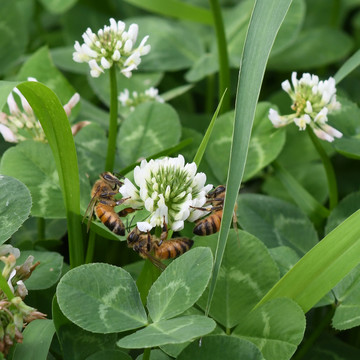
314, 335
90, 247
6, 288
113, 125
224, 71
146, 355
330, 173
209, 100
41, 228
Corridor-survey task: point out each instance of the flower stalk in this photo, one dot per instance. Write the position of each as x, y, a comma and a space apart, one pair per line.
113, 123
329, 170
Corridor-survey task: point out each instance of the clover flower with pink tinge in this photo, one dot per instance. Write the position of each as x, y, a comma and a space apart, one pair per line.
312, 100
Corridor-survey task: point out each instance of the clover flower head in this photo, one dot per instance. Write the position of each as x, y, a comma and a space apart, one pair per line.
132, 100
22, 124
111, 45
168, 188
312, 100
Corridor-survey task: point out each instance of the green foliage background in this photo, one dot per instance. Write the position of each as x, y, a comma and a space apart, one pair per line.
291, 255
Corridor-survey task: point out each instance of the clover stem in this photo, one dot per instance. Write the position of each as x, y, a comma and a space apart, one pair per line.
146, 355
113, 123
329, 170
90, 247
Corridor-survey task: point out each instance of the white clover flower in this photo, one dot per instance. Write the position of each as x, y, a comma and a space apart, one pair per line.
132, 100
111, 45
22, 124
312, 101
168, 188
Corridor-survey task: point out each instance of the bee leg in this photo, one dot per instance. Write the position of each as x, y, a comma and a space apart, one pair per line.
164, 233
148, 244
119, 202
107, 194
210, 208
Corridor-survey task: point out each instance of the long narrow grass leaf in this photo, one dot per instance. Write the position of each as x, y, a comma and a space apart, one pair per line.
350, 65
322, 267
55, 124
310, 206
176, 9
264, 24
200, 152
223, 56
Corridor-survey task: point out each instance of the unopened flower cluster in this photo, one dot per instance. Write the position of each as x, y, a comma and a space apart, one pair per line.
14, 313
312, 100
111, 45
169, 189
131, 100
22, 124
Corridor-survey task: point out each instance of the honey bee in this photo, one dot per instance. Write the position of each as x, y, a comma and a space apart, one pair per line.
211, 223
150, 247
103, 202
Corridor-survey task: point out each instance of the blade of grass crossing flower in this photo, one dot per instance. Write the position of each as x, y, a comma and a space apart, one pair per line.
322, 267
55, 124
200, 152
350, 65
176, 9
311, 207
264, 24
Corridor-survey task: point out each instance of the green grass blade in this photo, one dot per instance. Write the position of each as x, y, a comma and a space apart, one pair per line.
350, 65
322, 267
200, 152
223, 57
176, 9
55, 123
310, 206
265, 22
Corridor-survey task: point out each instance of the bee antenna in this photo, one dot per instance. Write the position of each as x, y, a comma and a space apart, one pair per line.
128, 223
119, 176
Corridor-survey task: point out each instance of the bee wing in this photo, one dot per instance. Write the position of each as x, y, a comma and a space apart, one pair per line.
89, 212
155, 261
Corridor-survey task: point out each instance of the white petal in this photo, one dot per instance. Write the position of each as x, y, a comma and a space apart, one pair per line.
7, 134
105, 63
177, 225
14, 109
331, 131
133, 32
286, 86
143, 226
323, 135
116, 55
128, 46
